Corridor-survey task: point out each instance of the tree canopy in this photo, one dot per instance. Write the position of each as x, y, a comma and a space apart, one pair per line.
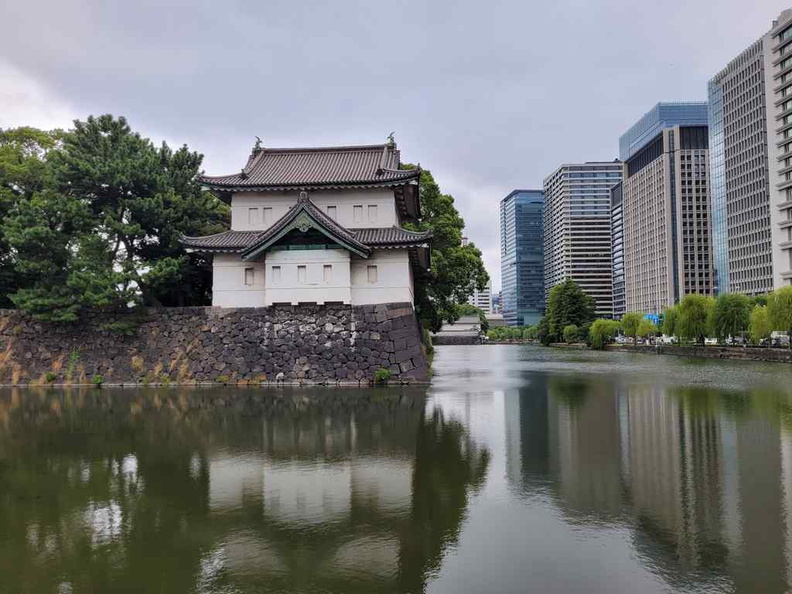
779, 309
730, 315
694, 311
94, 216
630, 323
456, 269
567, 305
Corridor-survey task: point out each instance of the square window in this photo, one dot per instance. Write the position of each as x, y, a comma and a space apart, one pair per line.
372, 213
250, 277
302, 275
371, 274
253, 216
332, 212
267, 212
276, 274
328, 273
357, 213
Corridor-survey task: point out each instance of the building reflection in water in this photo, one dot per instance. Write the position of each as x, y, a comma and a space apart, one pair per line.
702, 478
220, 490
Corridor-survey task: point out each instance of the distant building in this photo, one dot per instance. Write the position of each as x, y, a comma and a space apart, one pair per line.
577, 229
496, 303
466, 330
667, 247
750, 117
522, 263
482, 299
617, 245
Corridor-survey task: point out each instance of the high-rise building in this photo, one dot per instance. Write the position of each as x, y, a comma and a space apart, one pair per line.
665, 208
482, 299
577, 229
617, 246
750, 115
522, 265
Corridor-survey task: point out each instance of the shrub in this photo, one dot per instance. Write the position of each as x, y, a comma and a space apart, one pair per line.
50, 377
602, 332
382, 376
571, 333
97, 380
222, 379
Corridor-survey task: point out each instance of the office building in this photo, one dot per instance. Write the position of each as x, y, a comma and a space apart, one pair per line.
617, 246
665, 208
482, 299
522, 272
750, 113
577, 229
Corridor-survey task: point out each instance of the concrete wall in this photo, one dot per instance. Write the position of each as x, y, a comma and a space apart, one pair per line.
351, 282
305, 343
383, 215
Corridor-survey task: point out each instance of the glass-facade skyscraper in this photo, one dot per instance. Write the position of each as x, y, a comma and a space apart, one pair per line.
660, 117
522, 257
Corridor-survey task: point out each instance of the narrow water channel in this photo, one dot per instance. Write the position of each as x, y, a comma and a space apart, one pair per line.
520, 469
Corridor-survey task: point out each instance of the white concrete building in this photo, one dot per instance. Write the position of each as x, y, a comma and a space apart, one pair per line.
482, 299
317, 226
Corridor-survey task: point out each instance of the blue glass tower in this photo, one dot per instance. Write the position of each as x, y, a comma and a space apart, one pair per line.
660, 117
522, 257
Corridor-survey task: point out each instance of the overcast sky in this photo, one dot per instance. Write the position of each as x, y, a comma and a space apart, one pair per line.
490, 96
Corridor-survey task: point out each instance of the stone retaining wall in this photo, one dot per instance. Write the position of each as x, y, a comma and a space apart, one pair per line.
711, 352
312, 344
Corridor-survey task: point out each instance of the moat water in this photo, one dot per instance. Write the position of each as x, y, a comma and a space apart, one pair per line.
520, 469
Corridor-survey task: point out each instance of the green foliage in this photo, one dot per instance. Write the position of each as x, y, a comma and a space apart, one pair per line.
221, 379
647, 328
124, 327
759, 299
97, 380
671, 321
630, 323
530, 332
543, 331
567, 304
779, 309
730, 315
456, 269
571, 333
382, 376
694, 314
98, 219
466, 309
74, 358
603, 332
50, 377
759, 326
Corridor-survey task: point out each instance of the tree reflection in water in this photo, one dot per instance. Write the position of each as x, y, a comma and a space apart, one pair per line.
229, 490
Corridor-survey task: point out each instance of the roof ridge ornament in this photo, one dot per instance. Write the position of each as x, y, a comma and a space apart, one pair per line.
257, 146
303, 197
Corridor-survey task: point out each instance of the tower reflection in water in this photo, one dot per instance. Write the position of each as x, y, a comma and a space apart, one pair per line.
702, 478
215, 491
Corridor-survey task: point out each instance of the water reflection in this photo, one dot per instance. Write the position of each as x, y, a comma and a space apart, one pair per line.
226, 491
700, 477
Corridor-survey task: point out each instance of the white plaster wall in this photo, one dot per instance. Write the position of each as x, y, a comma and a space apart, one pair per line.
394, 280
228, 282
343, 200
315, 290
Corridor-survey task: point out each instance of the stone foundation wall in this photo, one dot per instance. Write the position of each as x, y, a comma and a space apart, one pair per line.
311, 344
711, 352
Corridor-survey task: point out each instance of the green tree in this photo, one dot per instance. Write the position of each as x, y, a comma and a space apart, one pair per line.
571, 333
630, 323
543, 332
530, 333
671, 321
759, 326
647, 328
456, 269
602, 332
694, 311
568, 304
779, 308
118, 206
730, 315
23, 175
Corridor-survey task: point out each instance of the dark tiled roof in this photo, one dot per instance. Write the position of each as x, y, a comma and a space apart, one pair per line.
235, 241
390, 237
288, 221
308, 168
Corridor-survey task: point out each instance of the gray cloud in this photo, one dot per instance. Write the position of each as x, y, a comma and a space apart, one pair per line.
489, 96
